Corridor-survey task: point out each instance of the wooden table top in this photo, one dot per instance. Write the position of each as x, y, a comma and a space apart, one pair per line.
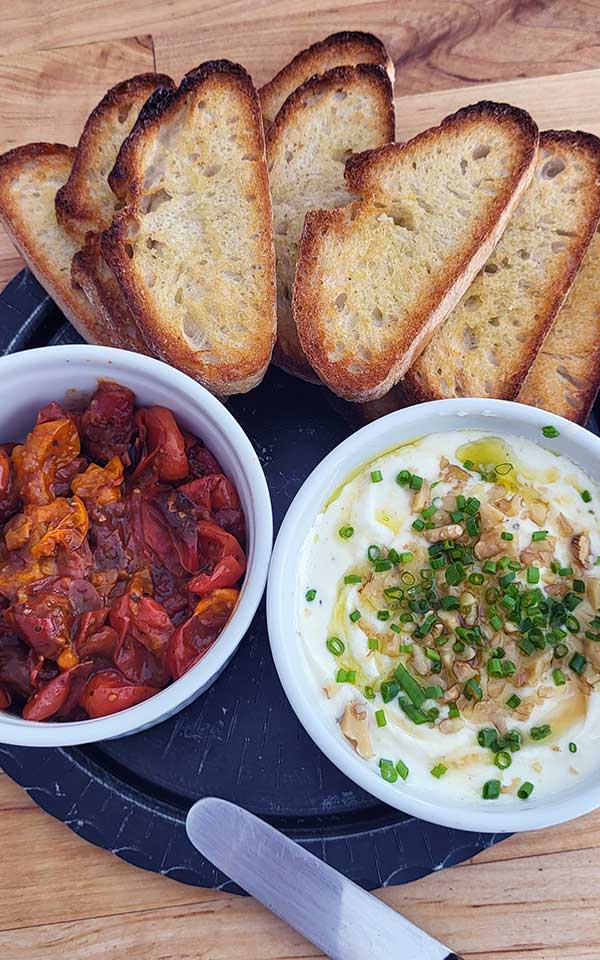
533, 896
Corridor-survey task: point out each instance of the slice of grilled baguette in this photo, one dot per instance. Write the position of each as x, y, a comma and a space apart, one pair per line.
29, 179
86, 201
488, 343
192, 249
374, 279
565, 375
90, 272
348, 48
321, 124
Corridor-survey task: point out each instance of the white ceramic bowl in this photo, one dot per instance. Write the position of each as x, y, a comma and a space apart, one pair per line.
498, 417
31, 379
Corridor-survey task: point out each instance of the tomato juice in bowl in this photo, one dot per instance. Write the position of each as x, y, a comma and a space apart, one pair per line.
172, 535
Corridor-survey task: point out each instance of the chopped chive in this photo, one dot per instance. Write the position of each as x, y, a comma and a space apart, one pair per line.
526, 646
346, 532
381, 566
540, 733
433, 693
410, 685
450, 603
571, 601
458, 647
472, 506
406, 557
432, 655
389, 690
428, 512
506, 579
369, 693
374, 552
578, 586
486, 737
376, 476
388, 770
572, 747
439, 770
383, 614
525, 790
496, 622
402, 769
335, 646
558, 677
418, 525
472, 690
561, 650
503, 760
405, 648
455, 574
491, 790
572, 624
550, 432
373, 643
565, 571
494, 667
415, 482
586, 496
355, 615
352, 578
408, 578
507, 536
490, 566
533, 575
345, 676
457, 516
513, 701
503, 469
577, 663
380, 718
476, 579
413, 713
310, 595
403, 478
468, 464
453, 711
393, 556
539, 535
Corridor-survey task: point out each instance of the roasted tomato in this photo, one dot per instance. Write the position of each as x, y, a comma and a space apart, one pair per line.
39, 463
107, 425
60, 695
162, 443
44, 619
109, 691
216, 499
98, 486
5, 699
223, 557
201, 461
9, 498
15, 666
43, 529
194, 638
144, 619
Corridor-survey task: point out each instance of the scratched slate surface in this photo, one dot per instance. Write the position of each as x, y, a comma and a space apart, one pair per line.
240, 740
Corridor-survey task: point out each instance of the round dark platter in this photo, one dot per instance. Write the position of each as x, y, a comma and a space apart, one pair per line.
240, 740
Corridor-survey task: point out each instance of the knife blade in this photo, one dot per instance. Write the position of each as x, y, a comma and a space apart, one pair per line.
335, 914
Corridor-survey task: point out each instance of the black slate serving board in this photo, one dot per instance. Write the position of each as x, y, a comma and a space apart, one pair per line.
240, 740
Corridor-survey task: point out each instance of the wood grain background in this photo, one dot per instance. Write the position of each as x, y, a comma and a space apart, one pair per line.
533, 897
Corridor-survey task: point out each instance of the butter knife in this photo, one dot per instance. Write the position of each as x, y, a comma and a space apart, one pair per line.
342, 920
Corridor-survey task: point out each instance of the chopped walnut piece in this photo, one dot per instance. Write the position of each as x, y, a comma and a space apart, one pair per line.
463, 671
539, 552
510, 506
452, 694
420, 662
451, 532
451, 472
490, 516
490, 544
580, 547
564, 526
538, 512
421, 498
496, 492
558, 589
355, 727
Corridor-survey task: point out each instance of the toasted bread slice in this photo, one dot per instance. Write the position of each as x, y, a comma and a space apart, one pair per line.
86, 201
192, 249
321, 124
348, 48
91, 273
565, 376
488, 343
29, 179
376, 278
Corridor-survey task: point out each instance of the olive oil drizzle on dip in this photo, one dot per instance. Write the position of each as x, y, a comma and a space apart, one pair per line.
449, 607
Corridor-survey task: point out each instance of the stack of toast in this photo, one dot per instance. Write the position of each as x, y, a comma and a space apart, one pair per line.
216, 227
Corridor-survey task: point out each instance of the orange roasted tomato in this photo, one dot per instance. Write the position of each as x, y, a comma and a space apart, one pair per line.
194, 638
40, 462
99, 485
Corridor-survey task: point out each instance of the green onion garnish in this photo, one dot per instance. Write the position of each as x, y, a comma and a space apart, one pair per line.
453, 711
561, 650
402, 769
494, 667
539, 535
491, 790
476, 579
565, 571
345, 676
387, 769
577, 663
490, 566
410, 685
550, 432
355, 615
428, 512
525, 790
540, 733
486, 737
586, 496
433, 693
455, 573
439, 770
450, 603
572, 747
413, 713
374, 552
383, 614
403, 478
533, 575
335, 646
415, 482
310, 595
472, 690
578, 586
472, 506
376, 476
513, 701
572, 624
373, 643
558, 677
352, 578
503, 760
369, 693
346, 532
389, 690
507, 536
405, 557
380, 718
418, 525
468, 464
503, 469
